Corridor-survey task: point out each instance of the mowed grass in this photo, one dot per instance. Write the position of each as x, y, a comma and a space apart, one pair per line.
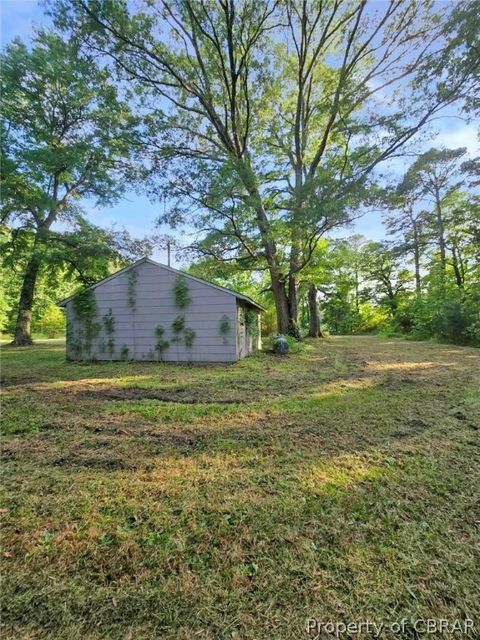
236, 501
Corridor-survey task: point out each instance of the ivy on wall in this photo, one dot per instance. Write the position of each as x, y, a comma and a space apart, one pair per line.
132, 289
189, 336
181, 292
84, 306
109, 326
161, 344
224, 328
178, 325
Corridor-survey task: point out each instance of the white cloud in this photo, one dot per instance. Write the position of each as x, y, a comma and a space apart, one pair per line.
463, 136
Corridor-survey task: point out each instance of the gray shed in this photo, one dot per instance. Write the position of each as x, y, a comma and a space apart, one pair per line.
149, 311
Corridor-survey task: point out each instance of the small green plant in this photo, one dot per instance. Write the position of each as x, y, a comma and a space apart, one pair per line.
111, 347
161, 344
180, 292
224, 328
124, 351
178, 325
189, 336
132, 289
109, 326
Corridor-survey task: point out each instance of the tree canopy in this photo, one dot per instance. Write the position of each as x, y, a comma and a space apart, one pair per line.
264, 120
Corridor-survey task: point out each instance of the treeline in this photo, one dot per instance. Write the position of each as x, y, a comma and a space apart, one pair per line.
424, 282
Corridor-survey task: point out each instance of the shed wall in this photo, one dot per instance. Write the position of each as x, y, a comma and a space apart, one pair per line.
134, 325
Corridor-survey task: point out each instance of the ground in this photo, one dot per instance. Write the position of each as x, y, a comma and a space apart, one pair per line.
236, 501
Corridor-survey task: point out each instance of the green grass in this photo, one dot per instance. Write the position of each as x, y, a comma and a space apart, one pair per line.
235, 501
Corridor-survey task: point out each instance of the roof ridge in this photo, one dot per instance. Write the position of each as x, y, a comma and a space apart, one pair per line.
241, 296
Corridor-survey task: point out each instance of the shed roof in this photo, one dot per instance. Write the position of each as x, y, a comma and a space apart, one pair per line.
239, 296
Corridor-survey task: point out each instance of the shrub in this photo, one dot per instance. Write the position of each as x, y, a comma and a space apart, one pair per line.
52, 322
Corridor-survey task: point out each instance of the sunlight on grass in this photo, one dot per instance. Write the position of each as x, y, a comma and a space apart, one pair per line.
340, 474
155, 410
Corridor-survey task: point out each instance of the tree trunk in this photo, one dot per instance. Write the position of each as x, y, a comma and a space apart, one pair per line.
456, 268
293, 329
270, 249
416, 257
315, 330
440, 231
281, 303
25, 306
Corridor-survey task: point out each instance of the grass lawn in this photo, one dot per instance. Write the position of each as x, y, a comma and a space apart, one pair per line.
235, 501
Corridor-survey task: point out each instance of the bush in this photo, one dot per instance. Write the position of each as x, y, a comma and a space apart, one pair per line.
51, 323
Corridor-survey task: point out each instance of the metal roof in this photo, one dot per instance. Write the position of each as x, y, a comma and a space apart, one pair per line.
239, 296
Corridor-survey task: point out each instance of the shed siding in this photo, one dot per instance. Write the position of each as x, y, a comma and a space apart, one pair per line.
134, 329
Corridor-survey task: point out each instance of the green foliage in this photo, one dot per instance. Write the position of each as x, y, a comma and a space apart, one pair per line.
132, 293
251, 323
109, 327
181, 292
51, 323
161, 344
189, 337
178, 325
224, 328
109, 322
124, 352
85, 305
65, 136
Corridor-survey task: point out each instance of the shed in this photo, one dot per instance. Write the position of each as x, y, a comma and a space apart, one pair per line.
149, 311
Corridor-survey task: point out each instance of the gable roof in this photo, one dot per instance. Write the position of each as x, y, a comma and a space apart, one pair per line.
239, 296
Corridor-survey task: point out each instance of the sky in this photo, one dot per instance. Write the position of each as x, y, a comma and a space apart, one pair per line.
137, 214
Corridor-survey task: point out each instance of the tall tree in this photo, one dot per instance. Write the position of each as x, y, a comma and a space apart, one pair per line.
382, 267
405, 217
268, 117
435, 174
66, 136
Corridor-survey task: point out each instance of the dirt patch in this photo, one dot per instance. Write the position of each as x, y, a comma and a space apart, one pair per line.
136, 393
413, 426
94, 462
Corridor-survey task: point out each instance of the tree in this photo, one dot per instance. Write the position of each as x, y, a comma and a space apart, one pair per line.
264, 115
382, 267
435, 174
66, 136
406, 218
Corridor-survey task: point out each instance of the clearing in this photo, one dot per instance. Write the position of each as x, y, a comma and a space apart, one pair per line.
235, 501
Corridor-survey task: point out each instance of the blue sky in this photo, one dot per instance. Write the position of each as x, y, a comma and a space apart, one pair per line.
137, 214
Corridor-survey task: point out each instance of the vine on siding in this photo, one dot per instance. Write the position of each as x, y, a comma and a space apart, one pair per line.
84, 306
189, 336
178, 325
109, 326
161, 344
224, 328
181, 292
132, 289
